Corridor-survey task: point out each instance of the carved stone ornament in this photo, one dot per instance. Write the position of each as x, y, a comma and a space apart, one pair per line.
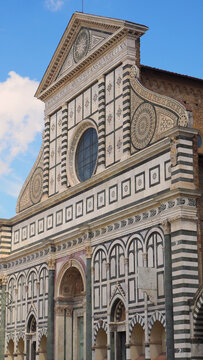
143, 125
61, 310
36, 187
88, 251
81, 45
173, 152
166, 226
51, 263
4, 279
153, 114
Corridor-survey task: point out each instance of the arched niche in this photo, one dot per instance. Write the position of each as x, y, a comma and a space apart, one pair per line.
43, 348
20, 350
137, 343
31, 337
101, 345
10, 350
71, 285
158, 342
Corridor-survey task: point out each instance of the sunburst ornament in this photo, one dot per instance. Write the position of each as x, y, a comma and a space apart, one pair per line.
81, 45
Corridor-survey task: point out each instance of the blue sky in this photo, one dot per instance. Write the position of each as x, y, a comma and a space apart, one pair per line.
29, 34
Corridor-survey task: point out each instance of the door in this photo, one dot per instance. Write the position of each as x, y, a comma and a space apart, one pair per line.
121, 351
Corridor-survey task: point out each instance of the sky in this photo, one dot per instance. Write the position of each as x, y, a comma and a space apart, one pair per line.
30, 31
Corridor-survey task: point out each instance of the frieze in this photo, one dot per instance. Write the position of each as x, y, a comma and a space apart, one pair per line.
189, 202
74, 85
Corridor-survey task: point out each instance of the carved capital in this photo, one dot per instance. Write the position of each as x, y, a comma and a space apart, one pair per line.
51, 263
166, 226
4, 279
88, 251
61, 310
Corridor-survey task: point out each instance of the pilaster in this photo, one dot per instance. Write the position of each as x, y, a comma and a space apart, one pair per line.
101, 125
88, 304
3, 316
46, 159
168, 291
64, 146
50, 336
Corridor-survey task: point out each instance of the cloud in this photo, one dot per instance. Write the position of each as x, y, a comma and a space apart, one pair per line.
54, 5
21, 118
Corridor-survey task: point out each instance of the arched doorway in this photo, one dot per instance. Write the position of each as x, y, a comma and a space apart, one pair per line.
20, 350
118, 331
31, 338
137, 343
10, 350
43, 348
158, 342
70, 315
101, 345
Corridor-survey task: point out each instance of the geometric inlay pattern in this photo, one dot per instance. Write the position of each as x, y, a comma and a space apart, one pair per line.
36, 185
143, 125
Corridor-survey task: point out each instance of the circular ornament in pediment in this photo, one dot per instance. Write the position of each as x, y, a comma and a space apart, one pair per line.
81, 45
143, 125
36, 187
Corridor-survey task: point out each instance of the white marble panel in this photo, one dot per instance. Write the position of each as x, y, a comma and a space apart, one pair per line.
87, 103
79, 109
59, 123
58, 150
71, 114
58, 177
52, 154
109, 87
52, 181
94, 97
118, 144
109, 149
118, 112
52, 127
118, 81
109, 118
96, 297
160, 284
104, 296
132, 290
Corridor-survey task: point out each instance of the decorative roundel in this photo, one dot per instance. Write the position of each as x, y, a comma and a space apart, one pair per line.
81, 45
143, 125
36, 186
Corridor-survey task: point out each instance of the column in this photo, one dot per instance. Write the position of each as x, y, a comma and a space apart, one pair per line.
147, 347
50, 336
88, 304
46, 159
101, 125
168, 291
127, 312
3, 317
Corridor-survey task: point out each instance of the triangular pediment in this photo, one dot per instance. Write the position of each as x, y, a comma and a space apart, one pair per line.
85, 38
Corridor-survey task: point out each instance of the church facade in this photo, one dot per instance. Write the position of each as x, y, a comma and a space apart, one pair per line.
103, 259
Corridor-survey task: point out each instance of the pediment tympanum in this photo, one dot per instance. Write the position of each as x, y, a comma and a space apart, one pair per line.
86, 41
152, 114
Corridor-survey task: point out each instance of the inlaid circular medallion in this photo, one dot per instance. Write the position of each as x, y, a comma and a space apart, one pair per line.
81, 45
143, 125
36, 186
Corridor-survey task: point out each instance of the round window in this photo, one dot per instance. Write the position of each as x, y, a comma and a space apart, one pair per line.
86, 154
